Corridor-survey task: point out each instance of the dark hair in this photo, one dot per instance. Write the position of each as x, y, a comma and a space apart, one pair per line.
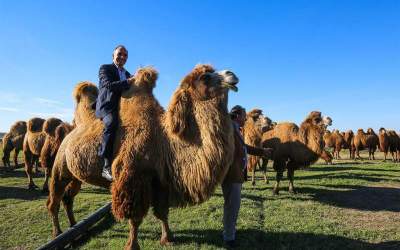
120, 46
236, 111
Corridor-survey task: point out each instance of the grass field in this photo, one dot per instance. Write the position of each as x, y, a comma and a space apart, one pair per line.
349, 205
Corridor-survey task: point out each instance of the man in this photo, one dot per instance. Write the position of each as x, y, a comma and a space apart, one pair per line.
232, 185
113, 80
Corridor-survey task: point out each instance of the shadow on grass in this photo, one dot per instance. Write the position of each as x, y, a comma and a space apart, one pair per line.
11, 173
259, 239
21, 193
347, 176
104, 224
359, 197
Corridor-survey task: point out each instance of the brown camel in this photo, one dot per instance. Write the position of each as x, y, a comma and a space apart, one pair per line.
33, 143
383, 142
296, 147
335, 141
368, 141
55, 133
13, 140
394, 145
348, 137
162, 159
253, 129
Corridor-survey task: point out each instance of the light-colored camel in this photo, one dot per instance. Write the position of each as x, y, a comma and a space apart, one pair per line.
296, 147
162, 159
13, 140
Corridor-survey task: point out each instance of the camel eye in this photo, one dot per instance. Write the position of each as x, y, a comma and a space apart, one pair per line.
205, 78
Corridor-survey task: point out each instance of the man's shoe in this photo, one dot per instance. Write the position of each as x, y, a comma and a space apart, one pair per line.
106, 173
230, 244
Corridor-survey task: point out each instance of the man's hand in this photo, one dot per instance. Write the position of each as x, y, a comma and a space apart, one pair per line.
131, 80
268, 153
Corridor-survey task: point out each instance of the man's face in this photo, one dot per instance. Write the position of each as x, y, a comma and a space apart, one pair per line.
241, 118
120, 56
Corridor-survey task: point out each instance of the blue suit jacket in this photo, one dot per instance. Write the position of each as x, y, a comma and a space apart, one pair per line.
110, 89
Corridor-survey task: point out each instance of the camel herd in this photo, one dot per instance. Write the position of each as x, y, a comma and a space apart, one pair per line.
174, 157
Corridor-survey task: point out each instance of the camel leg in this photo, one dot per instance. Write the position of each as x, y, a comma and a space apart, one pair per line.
133, 243
72, 190
57, 189
6, 158
161, 211
16, 152
264, 169
253, 173
279, 175
338, 154
28, 169
290, 174
47, 173
36, 163
384, 155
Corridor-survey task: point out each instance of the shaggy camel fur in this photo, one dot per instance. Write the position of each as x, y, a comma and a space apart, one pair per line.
383, 142
368, 141
13, 140
334, 140
296, 147
394, 145
348, 137
162, 159
55, 131
252, 135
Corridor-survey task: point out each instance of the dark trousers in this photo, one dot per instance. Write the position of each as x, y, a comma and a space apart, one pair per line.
110, 127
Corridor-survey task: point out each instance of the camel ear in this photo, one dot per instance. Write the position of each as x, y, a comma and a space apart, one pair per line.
179, 116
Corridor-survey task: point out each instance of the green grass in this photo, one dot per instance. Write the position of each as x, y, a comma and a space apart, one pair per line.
352, 205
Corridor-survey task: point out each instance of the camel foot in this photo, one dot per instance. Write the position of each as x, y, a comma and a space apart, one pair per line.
32, 186
275, 191
267, 182
165, 241
56, 233
253, 183
291, 191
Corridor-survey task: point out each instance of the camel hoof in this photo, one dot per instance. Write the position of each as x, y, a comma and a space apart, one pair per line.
166, 242
292, 192
253, 183
275, 192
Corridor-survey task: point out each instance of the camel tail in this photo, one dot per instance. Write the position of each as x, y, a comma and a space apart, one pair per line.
131, 194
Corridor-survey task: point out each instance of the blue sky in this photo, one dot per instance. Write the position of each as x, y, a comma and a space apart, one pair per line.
341, 57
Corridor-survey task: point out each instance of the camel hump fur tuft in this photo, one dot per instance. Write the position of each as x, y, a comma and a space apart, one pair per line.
35, 125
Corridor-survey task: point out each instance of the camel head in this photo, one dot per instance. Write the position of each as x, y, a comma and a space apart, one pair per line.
315, 118
202, 87
382, 131
370, 131
204, 83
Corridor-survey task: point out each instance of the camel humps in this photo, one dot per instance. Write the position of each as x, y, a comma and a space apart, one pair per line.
13, 140
252, 135
162, 158
394, 145
55, 133
368, 141
296, 147
335, 141
348, 137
